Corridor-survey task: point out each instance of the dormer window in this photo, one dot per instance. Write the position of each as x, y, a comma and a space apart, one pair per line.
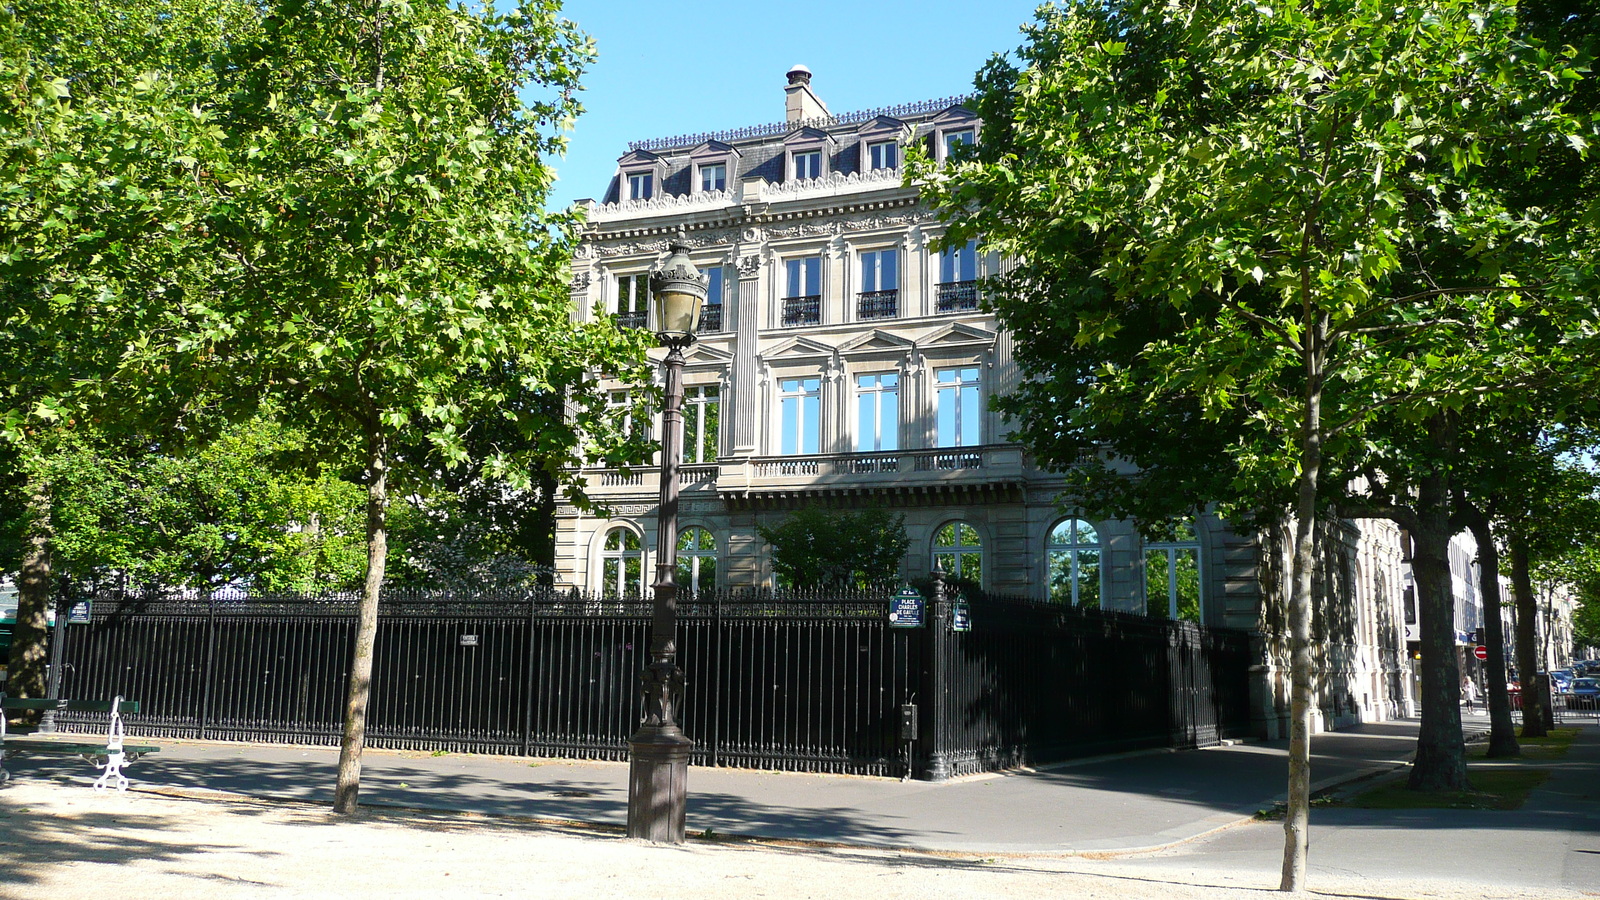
883, 155
712, 162
808, 164
809, 151
959, 138
953, 129
641, 175
879, 142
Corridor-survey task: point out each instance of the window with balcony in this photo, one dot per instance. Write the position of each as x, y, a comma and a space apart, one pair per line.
883, 155
702, 413
711, 313
879, 297
958, 278
807, 164
1072, 552
1172, 573
641, 186
958, 551
633, 301
697, 560
800, 415
622, 564
714, 177
877, 412
959, 407
802, 305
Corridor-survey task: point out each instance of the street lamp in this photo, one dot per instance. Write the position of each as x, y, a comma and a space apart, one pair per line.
658, 765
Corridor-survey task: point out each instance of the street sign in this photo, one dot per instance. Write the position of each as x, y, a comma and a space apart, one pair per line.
1480, 652
79, 613
960, 616
905, 611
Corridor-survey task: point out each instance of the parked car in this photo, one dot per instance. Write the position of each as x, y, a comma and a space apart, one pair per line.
1585, 693
1561, 680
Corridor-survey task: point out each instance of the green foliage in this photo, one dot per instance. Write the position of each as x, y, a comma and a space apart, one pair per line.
1229, 216
817, 548
232, 511
391, 274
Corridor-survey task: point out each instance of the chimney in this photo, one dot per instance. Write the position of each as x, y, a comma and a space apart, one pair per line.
801, 103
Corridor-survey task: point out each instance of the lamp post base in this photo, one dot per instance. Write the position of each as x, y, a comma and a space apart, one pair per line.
658, 783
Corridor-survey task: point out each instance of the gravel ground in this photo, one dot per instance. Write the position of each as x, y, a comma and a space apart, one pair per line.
60, 842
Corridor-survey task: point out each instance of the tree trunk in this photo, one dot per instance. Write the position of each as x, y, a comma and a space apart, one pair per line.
1535, 710
1297, 814
30, 638
1441, 754
1502, 731
346, 795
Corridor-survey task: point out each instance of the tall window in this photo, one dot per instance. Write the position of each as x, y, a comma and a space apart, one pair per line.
808, 164
711, 314
1172, 573
958, 550
620, 404
633, 300
880, 270
958, 264
697, 560
805, 276
802, 305
877, 412
714, 177
1073, 553
701, 412
800, 409
641, 186
622, 564
883, 155
960, 413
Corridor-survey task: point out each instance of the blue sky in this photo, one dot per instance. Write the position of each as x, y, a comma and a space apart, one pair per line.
667, 68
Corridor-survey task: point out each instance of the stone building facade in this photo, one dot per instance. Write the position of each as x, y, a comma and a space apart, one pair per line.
843, 362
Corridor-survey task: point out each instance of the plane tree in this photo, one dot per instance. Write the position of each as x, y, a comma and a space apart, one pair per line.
1289, 207
390, 272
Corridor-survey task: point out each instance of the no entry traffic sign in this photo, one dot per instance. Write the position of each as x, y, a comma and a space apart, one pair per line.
1480, 652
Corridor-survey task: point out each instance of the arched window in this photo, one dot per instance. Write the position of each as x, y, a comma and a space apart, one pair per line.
1073, 553
1172, 573
958, 550
697, 560
622, 561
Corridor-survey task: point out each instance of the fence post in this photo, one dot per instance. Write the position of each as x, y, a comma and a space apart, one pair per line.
713, 706
528, 686
936, 682
209, 673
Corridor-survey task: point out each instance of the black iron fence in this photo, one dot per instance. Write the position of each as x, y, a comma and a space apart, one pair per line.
782, 681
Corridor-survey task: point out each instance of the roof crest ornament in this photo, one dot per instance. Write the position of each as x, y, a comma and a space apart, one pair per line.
775, 129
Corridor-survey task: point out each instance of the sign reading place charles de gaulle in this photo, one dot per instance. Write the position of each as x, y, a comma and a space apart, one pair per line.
905, 611
79, 613
960, 615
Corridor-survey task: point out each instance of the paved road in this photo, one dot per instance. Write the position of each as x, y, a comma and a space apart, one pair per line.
1150, 810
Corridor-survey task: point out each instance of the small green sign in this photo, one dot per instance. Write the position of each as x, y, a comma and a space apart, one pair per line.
960, 616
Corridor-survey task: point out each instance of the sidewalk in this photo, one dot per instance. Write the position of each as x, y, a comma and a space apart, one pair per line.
1156, 826
1122, 803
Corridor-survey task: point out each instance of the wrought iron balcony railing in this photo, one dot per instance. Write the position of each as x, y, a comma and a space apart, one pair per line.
958, 296
802, 310
878, 304
711, 318
637, 319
